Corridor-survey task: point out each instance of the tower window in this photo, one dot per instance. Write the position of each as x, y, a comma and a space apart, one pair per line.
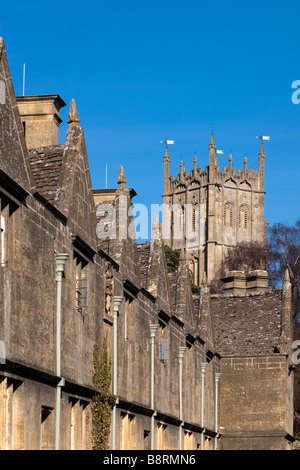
243, 218
181, 219
229, 215
194, 218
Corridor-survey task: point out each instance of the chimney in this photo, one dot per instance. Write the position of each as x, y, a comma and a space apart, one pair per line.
40, 118
237, 282
257, 281
234, 282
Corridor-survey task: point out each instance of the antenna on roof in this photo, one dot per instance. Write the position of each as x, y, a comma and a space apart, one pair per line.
23, 79
106, 176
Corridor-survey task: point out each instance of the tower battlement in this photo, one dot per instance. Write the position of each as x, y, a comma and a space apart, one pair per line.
221, 207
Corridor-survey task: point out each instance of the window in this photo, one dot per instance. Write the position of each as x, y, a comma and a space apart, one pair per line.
207, 443
3, 244
6, 212
11, 414
243, 218
128, 314
82, 282
147, 440
162, 436
194, 218
8, 209
128, 431
188, 440
82, 293
78, 423
228, 215
181, 220
46, 428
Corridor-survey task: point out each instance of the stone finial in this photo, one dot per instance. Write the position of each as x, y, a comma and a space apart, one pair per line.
287, 279
245, 163
212, 144
182, 170
195, 163
261, 151
182, 256
166, 155
230, 161
155, 228
121, 178
73, 118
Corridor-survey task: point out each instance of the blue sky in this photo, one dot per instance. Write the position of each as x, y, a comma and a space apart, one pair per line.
144, 71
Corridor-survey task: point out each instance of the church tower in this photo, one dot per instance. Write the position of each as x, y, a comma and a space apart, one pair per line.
207, 211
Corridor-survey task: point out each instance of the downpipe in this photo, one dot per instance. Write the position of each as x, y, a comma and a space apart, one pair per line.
203, 368
117, 303
153, 329
60, 260
182, 350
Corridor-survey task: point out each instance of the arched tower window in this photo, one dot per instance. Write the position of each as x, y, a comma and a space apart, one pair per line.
228, 215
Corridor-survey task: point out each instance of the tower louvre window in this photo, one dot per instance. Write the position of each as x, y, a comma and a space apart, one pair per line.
243, 218
181, 219
194, 218
228, 215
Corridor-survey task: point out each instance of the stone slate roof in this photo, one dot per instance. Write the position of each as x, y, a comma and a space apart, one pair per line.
46, 165
144, 257
173, 286
248, 324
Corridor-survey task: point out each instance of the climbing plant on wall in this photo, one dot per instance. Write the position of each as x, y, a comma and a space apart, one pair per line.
103, 400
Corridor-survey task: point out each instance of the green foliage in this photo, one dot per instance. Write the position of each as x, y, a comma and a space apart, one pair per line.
103, 400
172, 257
195, 289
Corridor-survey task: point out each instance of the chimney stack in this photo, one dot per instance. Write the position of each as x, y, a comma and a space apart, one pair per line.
40, 118
237, 282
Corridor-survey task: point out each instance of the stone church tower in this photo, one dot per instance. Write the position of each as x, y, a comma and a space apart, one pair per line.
210, 210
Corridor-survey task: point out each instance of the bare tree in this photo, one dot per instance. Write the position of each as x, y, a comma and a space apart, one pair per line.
245, 256
284, 253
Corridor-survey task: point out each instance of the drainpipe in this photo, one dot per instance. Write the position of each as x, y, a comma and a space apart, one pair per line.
217, 378
153, 329
203, 367
182, 350
60, 260
117, 302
